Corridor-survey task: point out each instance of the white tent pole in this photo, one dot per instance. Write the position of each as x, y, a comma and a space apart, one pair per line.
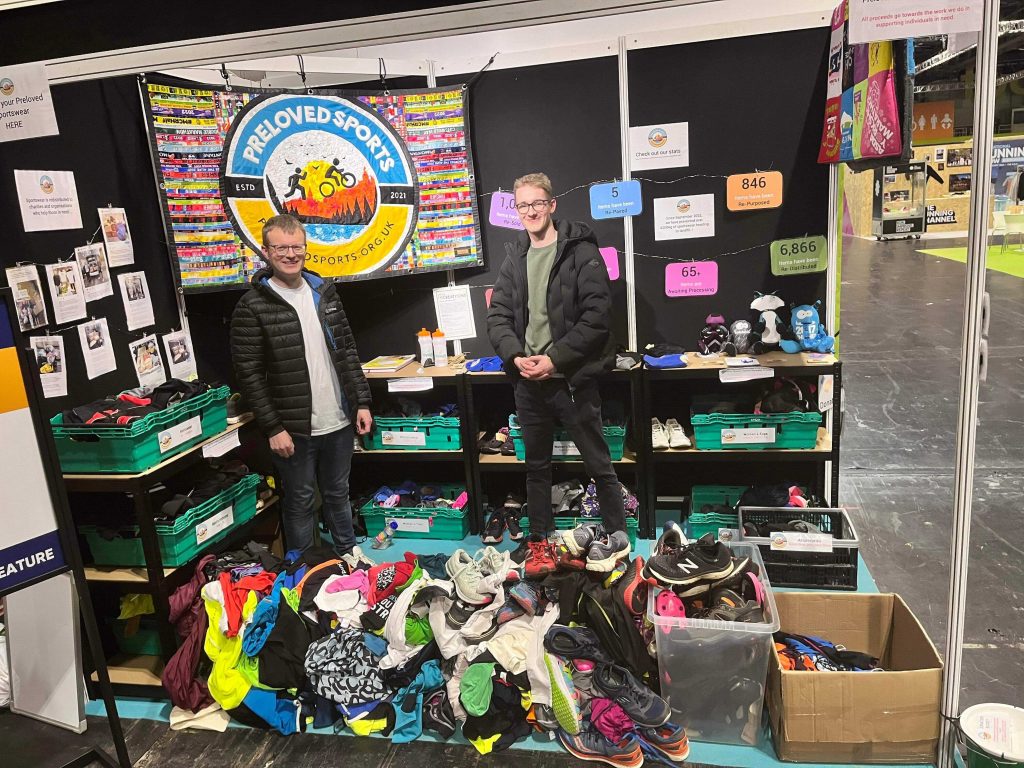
970, 371
627, 173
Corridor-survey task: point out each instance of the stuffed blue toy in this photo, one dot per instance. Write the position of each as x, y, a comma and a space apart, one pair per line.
810, 334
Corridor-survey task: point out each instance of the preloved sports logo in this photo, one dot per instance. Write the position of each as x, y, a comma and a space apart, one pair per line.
332, 162
688, 566
6, 87
657, 138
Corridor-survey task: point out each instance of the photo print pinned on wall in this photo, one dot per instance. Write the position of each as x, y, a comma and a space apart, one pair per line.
67, 293
180, 358
149, 365
92, 261
27, 288
96, 347
138, 307
117, 236
49, 355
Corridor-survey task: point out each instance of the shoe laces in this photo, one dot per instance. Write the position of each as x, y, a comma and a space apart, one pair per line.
650, 752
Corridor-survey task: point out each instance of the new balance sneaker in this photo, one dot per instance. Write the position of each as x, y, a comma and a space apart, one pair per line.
703, 561
465, 572
578, 540
606, 551
671, 540
591, 746
563, 695
515, 531
668, 741
438, 715
539, 561
495, 528
643, 706
633, 588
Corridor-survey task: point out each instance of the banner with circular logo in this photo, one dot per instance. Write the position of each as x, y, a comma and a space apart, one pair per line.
336, 165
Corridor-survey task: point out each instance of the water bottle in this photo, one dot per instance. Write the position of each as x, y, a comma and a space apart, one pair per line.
383, 539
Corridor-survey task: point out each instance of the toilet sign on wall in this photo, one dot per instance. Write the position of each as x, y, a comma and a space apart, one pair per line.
29, 543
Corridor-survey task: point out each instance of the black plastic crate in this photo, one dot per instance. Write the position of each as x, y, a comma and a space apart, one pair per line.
807, 570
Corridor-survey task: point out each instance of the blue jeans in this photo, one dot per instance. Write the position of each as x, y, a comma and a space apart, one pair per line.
327, 461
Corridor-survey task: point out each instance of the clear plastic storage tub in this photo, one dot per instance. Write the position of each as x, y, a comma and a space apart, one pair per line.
713, 673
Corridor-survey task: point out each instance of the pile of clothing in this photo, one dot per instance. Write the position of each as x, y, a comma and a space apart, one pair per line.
422, 643
122, 409
426, 496
815, 654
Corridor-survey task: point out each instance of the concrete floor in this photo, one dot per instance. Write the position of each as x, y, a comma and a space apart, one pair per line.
902, 319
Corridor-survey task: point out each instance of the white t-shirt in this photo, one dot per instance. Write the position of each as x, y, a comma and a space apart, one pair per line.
328, 415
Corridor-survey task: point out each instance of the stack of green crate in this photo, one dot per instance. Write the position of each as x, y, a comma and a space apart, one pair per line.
614, 436
189, 534
145, 442
407, 433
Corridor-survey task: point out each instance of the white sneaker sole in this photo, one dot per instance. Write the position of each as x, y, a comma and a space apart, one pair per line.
607, 565
563, 703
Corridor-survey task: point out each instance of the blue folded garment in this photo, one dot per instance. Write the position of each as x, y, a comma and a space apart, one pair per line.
484, 365
665, 361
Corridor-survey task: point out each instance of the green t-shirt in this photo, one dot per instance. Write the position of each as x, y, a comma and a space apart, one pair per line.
538, 273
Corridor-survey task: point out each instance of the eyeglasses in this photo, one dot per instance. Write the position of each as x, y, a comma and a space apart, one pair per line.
281, 250
537, 205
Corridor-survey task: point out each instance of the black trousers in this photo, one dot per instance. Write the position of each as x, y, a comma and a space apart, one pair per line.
541, 406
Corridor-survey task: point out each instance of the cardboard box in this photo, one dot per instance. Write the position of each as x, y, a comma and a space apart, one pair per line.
857, 717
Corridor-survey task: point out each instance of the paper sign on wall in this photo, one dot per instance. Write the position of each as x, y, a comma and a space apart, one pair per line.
149, 364
92, 261
799, 255
665, 145
753, 191
180, 357
97, 348
503, 211
48, 200
454, 309
611, 261
49, 354
872, 20
695, 278
26, 109
684, 217
28, 296
66, 291
616, 200
117, 236
138, 307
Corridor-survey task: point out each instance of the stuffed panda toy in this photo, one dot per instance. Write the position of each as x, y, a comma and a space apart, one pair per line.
768, 331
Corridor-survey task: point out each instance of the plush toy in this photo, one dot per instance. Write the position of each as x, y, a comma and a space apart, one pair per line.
768, 332
714, 337
809, 333
739, 333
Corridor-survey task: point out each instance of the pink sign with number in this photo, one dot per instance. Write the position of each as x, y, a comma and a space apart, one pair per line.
611, 260
503, 211
694, 278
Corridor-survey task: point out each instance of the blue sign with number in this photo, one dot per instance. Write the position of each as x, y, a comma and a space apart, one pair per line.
616, 200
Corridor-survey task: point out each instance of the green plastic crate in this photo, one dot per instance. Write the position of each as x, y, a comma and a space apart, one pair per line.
614, 436
416, 523
145, 641
568, 523
723, 430
401, 433
181, 541
136, 448
700, 495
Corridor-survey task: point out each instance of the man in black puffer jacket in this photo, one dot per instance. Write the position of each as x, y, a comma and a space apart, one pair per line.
549, 322
296, 363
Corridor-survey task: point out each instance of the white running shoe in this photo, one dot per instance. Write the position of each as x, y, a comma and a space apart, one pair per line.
676, 437
659, 435
469, 581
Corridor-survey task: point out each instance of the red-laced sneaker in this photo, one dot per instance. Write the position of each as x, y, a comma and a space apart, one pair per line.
566, 560
539, 562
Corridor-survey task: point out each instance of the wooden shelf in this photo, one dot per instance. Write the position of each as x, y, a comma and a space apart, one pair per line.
423, 454
135, 670
499, 462
116, 575
76, 482
697, 366
414, 370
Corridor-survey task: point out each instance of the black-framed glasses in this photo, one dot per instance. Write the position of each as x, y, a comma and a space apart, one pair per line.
537, 205
282, 250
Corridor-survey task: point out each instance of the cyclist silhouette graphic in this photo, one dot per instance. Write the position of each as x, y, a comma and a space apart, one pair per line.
294, 185
344, 179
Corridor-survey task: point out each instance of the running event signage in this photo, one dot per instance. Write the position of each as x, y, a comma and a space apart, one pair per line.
29, 542
382, 182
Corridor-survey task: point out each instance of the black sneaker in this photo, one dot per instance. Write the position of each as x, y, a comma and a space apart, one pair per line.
515, 532
514, 501
495, 527
643, 706
519, 553
692, 566
508, 448
575, 643
493, 446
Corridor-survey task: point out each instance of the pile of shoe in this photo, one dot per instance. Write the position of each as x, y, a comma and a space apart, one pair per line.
411, 495
506, 518
703, 579
588, 547
498, 443
668, 435
600, 710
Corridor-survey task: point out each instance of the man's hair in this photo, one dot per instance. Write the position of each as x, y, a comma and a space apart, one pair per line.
284, 222
540, 180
